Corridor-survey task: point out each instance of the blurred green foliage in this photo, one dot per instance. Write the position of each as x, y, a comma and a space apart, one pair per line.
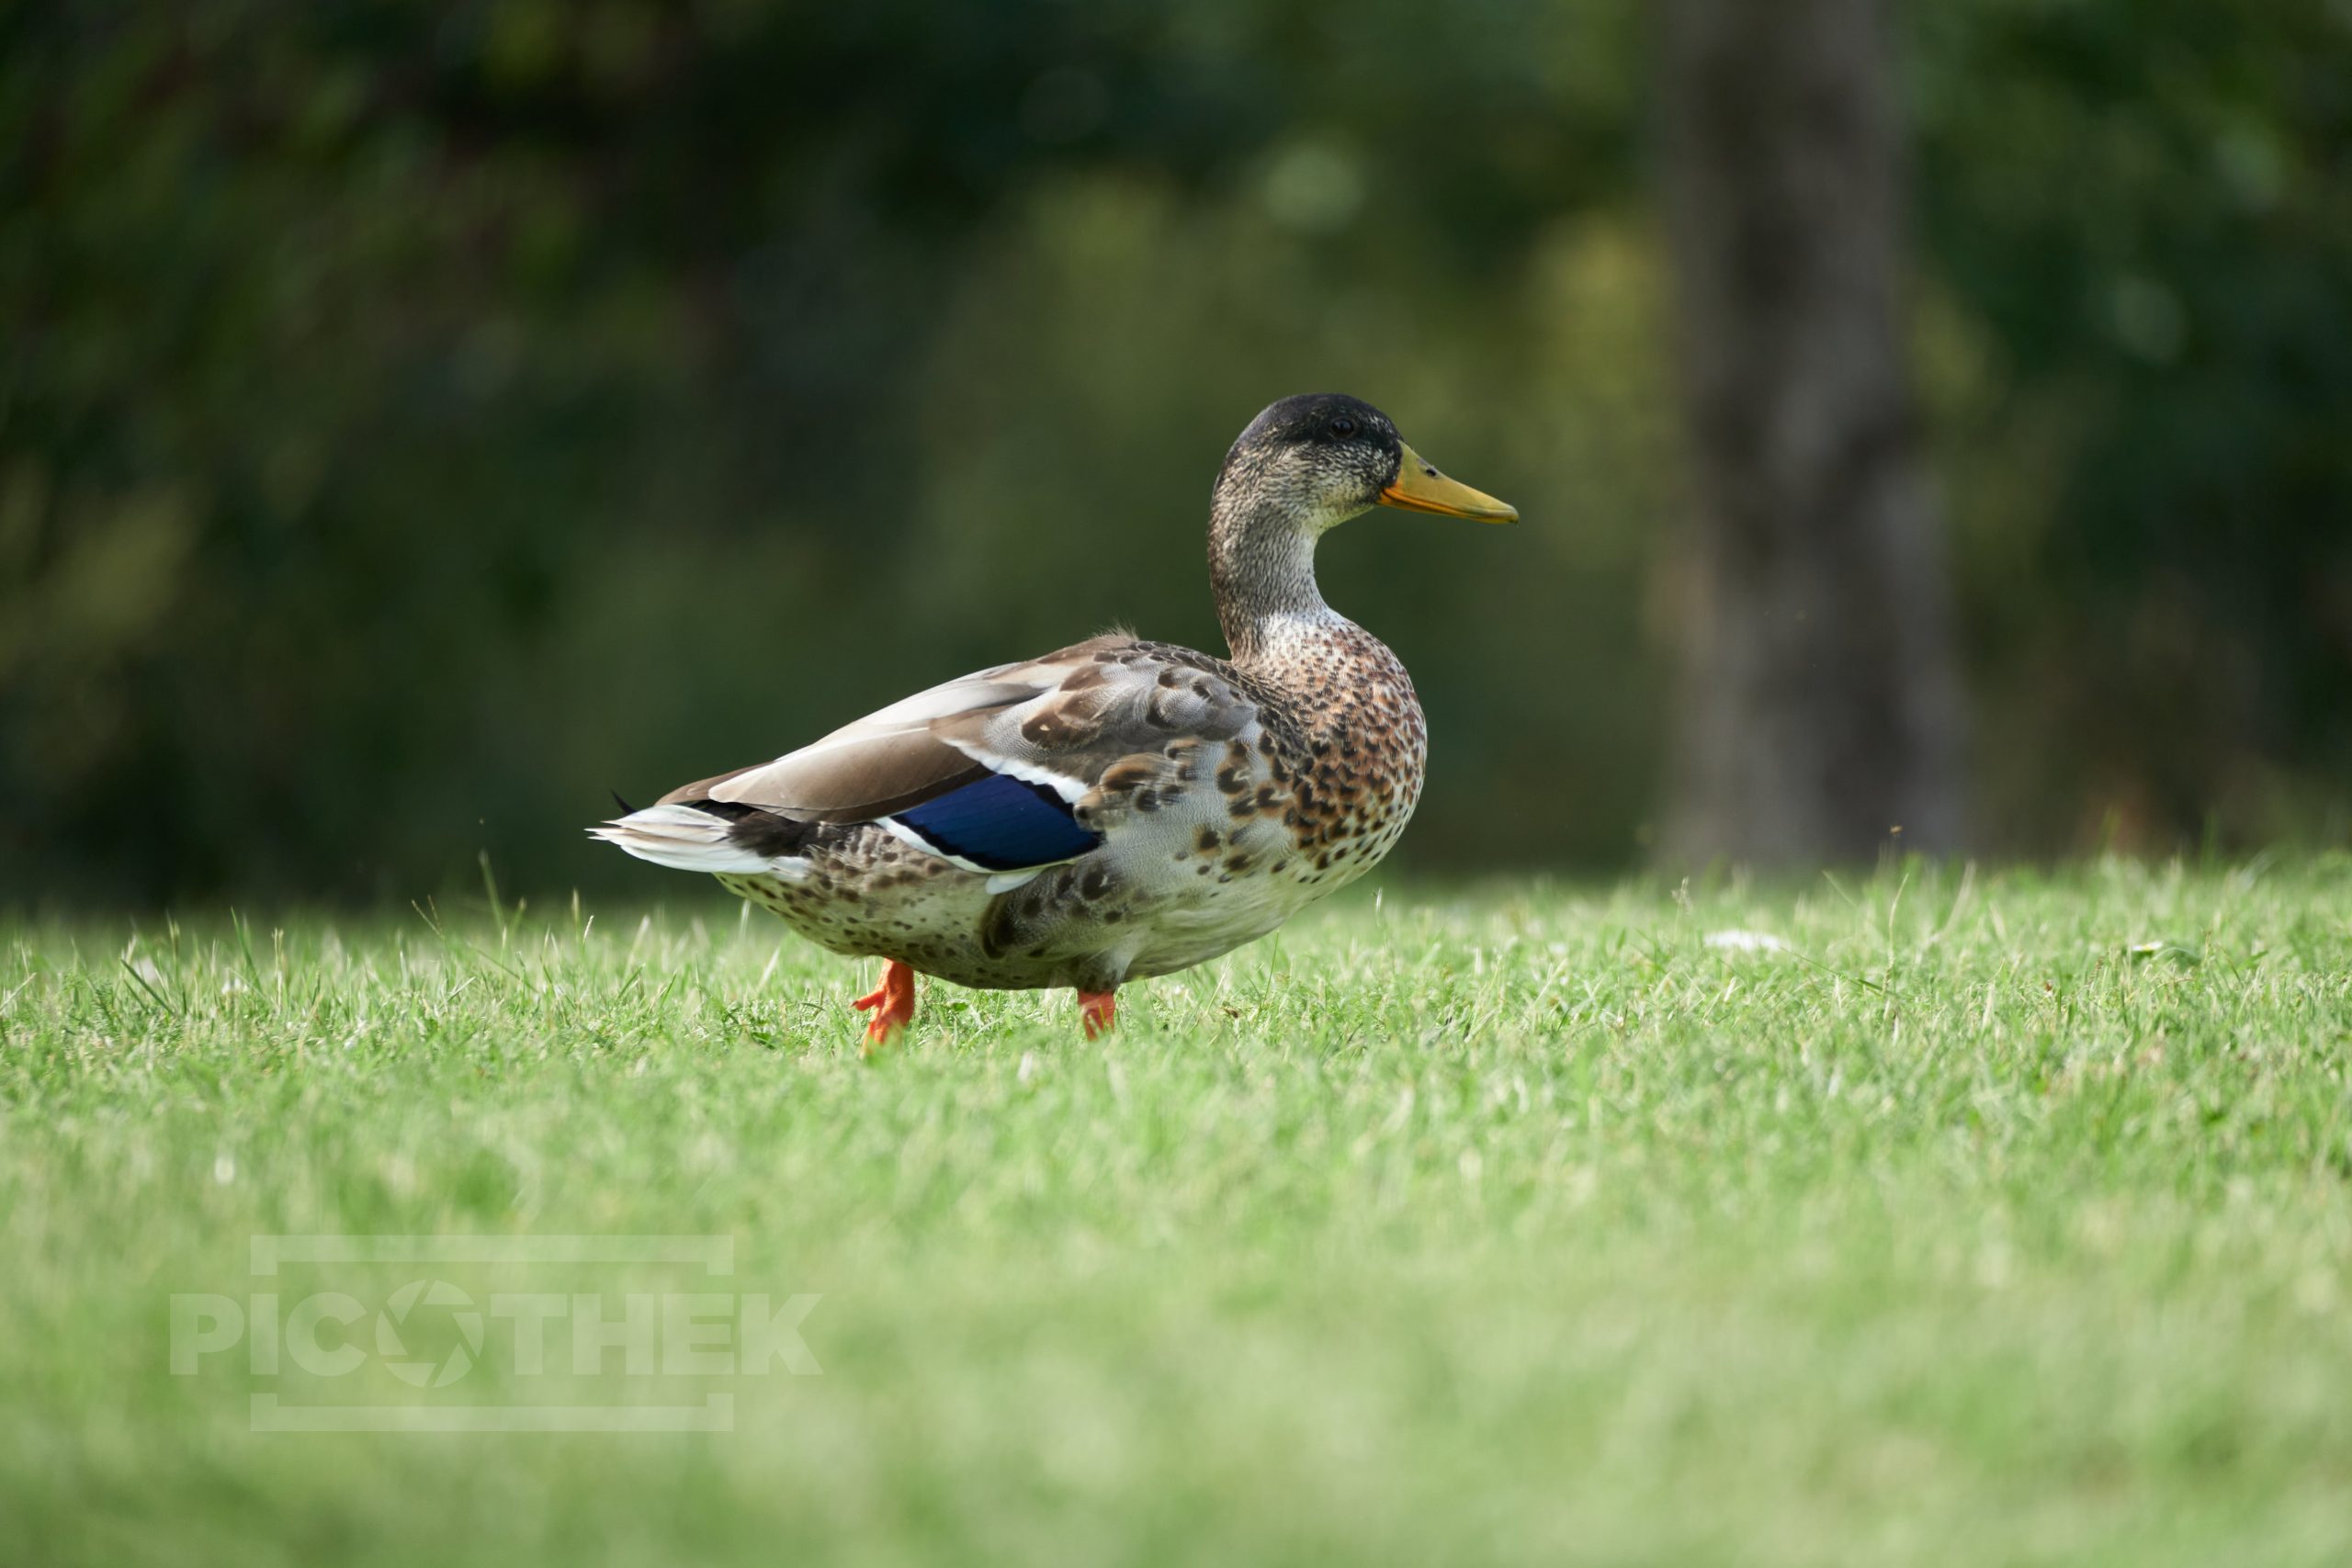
419, 418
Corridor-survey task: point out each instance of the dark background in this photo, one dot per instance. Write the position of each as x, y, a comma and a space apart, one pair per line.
417, 419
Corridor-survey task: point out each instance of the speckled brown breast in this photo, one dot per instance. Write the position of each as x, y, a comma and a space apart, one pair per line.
1340, 751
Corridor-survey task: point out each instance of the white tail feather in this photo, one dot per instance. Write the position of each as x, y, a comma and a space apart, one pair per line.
687, 839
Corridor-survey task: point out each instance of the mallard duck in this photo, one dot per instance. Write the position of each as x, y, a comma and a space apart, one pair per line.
1119, 809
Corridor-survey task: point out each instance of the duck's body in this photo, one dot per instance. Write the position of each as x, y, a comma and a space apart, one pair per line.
1221, 800
1120, 808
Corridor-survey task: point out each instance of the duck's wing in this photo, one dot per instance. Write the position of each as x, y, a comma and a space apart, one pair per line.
999, 771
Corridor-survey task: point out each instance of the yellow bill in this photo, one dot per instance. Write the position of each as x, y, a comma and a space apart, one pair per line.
1419, 487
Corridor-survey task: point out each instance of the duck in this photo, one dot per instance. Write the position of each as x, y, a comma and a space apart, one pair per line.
1120, 808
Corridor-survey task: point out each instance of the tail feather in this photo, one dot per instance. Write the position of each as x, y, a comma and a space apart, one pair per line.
686, 838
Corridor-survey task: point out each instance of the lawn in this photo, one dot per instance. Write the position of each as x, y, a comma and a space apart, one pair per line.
1996, 1218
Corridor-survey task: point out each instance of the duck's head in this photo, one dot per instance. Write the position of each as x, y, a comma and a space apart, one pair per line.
1319, 459
1303, 466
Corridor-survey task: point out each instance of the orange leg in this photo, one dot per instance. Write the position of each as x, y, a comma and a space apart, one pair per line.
1098, 1012
892, 1003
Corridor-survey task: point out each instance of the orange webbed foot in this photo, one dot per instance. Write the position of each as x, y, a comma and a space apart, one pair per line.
1098, 1012
892, 1003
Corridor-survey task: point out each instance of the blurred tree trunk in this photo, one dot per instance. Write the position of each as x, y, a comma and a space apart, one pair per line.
1820, 703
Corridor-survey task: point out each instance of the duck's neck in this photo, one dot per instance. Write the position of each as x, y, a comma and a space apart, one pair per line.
1261, 569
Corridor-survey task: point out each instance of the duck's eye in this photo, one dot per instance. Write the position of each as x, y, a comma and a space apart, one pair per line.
1343, 427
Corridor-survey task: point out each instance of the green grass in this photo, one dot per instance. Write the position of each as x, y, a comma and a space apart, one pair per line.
1520, 1225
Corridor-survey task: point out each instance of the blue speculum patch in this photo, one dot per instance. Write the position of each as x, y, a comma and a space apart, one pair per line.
1000, 823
